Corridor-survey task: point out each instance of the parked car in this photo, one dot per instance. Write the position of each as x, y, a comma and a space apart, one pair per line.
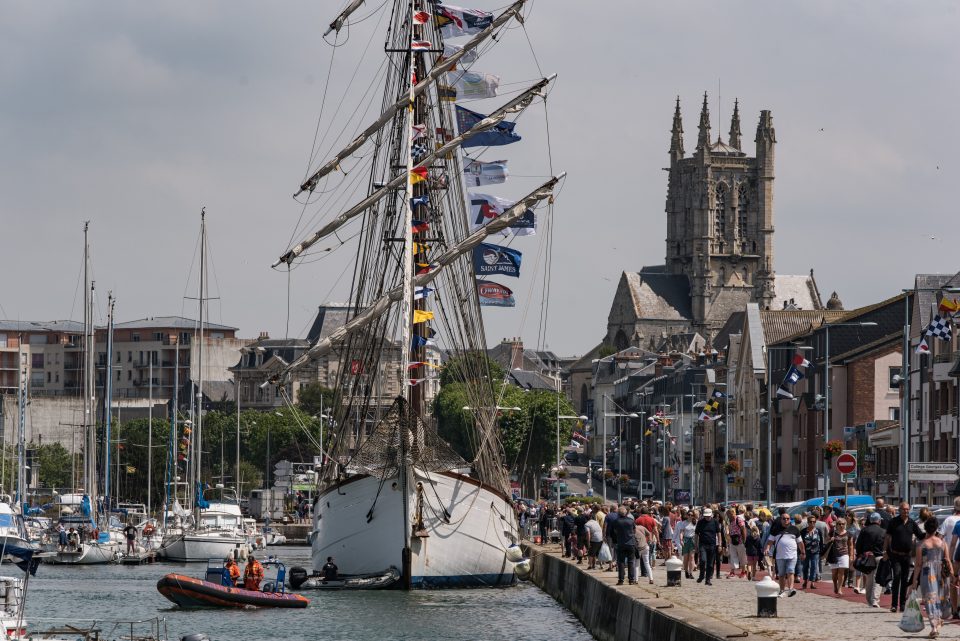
571, 457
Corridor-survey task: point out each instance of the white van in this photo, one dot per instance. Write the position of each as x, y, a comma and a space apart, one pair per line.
647, 491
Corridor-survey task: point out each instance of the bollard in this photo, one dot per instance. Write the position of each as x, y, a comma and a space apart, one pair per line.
674, 571
768, 591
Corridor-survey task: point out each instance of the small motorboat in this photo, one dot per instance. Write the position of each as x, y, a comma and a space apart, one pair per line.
300, 580
216, 590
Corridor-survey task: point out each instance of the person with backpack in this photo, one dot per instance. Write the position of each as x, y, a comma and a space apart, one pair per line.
813, 544
736, 532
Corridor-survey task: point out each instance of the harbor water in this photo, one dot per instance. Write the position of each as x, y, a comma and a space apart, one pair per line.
76, 595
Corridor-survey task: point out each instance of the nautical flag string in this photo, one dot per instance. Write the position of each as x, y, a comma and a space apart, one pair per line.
419, 150
940, 328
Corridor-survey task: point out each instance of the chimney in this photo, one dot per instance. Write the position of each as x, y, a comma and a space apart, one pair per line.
516, 353
264, 336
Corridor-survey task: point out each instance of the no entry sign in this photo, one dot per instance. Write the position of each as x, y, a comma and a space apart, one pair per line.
847, 464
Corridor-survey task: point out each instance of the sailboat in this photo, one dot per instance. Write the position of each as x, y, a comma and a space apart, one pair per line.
95, 545
215, 529
393, 497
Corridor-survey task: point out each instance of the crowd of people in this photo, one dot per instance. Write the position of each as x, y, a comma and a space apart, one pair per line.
877, 550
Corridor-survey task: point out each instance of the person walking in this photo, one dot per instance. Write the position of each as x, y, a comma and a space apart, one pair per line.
625, 535
707, 540
870, 544
689, 547
931, 560
644, 537
753, 549
950, 533
667, 523
736, 537
787, 547
812, 544
840, 555
580, 521
897, 549
568, 532
595, 537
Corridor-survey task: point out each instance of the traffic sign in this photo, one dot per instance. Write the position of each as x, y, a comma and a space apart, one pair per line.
757, 485
944, 472
847, 463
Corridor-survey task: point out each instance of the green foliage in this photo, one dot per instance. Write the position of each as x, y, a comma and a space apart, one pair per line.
469, 367
54, 462
314, 398
607, 350
596, 500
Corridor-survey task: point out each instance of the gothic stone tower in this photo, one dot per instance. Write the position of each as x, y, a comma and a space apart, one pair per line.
720, 217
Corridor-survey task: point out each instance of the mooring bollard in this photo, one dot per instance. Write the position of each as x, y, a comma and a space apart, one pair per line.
768, 591
674, 572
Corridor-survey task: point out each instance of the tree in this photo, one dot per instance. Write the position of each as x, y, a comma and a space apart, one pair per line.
314, 398
454, 424
54, 462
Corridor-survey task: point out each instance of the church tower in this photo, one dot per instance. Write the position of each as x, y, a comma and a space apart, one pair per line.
720, 217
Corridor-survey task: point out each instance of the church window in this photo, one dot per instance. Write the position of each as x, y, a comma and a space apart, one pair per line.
743, 205
620, 341
720, 205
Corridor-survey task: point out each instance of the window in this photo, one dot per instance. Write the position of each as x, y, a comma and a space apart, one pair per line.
118, 355
135, 338
185, 338
129, 375
129, 357
894, 371
894, 413
158, 336
720, 206
118, 374
36, 361
743, 203
49, 377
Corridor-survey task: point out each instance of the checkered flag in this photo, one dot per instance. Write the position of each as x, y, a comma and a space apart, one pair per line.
940, 328
418, 151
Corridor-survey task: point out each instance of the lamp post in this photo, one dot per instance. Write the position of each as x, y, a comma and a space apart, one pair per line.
579, 418
620, 449
826, 402
767, 350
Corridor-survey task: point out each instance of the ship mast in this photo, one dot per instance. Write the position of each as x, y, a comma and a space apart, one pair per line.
198, 427
89, 381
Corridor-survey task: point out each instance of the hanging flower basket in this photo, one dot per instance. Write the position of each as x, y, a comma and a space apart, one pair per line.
667, 472
608, 474
833, 448
624, 479
562, 474
731, 467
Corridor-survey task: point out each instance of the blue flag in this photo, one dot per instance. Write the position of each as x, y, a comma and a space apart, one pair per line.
502, 134
494, 295
793, 375
419, 200
491, 259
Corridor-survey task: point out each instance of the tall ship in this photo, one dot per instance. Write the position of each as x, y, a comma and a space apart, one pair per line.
394, 496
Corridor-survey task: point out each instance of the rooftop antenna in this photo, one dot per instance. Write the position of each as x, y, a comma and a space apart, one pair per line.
719, 119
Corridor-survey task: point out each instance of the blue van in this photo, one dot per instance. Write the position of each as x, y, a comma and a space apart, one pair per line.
853, 501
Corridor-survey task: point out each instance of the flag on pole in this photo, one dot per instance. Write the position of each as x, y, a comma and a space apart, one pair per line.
420, 341
419, 200
501, 134
421, 17
420, 225
800, 361
421, 316
419, 131
793, 375
477, 173
949, 307
940, 328
718, 394
420, 45
473, 85
419, 175
484, 208
922, 346
489, 259
451, 49
456, 21
783, 392
421, 292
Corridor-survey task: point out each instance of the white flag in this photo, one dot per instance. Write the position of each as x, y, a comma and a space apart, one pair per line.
484, 208
449, 50
473, 85
477, 173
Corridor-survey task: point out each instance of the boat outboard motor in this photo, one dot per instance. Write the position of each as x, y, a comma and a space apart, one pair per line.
196, 636
297, 576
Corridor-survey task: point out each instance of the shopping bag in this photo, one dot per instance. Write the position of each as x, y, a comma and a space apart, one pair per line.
912, 619
604, 556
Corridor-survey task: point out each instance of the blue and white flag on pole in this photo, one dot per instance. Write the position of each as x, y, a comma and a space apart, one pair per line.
477, 173
501, 134
484, 208
491, 259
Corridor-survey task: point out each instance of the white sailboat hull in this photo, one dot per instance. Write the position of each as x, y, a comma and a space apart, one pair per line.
86, 554
194, 547
360, 523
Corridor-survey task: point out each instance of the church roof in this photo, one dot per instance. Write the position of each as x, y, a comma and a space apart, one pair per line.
799, 292
721, 147
660, 295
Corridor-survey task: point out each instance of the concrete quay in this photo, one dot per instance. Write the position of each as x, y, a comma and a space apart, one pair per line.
696, 612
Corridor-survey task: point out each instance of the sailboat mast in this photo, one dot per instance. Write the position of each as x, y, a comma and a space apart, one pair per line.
107, 401
198, 431
89, 379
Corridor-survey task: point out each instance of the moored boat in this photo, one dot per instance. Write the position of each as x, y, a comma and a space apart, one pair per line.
300, 580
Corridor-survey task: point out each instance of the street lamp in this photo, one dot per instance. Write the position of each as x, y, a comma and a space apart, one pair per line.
579, 418
826, 401
767, 350
619, 453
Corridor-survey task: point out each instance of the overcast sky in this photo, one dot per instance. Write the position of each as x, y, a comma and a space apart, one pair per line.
135, 115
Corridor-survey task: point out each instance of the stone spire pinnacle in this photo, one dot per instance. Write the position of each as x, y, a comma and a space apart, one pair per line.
735, 126
676, 139
703, 140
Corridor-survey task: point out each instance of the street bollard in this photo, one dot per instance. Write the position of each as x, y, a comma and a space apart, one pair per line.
768, 591
674, 571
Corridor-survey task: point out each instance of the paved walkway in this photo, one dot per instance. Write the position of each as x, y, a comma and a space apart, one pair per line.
808, 616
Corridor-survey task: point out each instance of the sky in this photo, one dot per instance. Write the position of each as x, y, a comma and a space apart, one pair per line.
135, 116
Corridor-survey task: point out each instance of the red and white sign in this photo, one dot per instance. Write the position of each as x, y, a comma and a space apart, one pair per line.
847, 463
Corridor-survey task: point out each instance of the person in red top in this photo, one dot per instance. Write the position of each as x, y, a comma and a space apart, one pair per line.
653, 527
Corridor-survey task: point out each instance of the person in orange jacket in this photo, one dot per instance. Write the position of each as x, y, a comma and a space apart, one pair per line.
231, 565
252, 574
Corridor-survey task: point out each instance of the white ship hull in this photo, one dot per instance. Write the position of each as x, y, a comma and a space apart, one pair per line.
193, 547
466, 552
86, 554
